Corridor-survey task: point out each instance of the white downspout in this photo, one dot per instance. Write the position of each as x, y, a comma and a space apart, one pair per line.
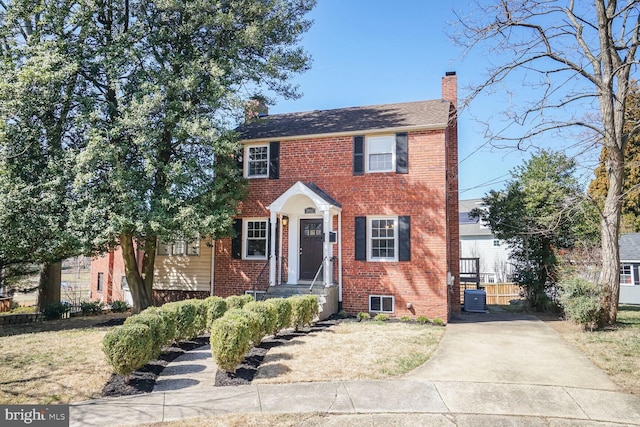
213, 263
339, 256
280, 240
272, 252
326, 251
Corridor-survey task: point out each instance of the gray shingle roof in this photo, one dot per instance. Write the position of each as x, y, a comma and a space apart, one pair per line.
629, 247
426, 114
470, 227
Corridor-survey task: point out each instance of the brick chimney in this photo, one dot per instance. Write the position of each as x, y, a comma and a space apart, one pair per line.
255, 108
450, 88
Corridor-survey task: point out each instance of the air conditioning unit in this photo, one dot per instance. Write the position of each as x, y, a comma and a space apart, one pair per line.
475, 301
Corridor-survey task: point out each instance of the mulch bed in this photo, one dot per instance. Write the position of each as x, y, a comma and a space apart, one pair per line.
144, 379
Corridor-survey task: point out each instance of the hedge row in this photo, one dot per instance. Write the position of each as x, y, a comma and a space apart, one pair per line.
233, 334
236, 323
143, 335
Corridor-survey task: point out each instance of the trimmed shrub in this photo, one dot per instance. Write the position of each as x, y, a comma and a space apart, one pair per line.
185, 314
128, 348
157, 328
580, 299
215, 308
304, 310
169, 320
230, 339
423, 319
238, 301
119, 306
267, 316
363, 315
381, 317
200, 321
438, 321
405, 319
91, 307
283, 313
56, 310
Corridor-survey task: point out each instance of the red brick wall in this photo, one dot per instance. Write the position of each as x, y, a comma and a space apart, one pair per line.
112, 282
422, 194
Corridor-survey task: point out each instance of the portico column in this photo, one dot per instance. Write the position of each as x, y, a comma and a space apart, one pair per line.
272, 250
326, 251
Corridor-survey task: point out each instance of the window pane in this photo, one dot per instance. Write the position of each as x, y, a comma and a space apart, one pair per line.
193, 248
256, 243
179, 247
375, 303
383, 240
380, 145
380, 162
387, 304
258, 161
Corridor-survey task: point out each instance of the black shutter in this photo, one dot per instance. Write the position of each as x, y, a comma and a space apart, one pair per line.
361, 238
358, 155
239, 158
236, 240
404, 238
402, 153
274, 160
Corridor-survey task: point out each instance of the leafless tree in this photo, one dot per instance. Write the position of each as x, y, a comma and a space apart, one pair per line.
573, 59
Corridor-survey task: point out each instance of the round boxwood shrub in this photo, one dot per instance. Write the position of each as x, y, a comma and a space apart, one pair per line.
283, 313
169, 321
304, 310
128, 348
186, 323
238, 301
580, 299
216, 307
230, 339
267, 316
156, 325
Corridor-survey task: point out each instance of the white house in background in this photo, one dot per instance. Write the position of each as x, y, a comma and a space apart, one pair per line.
629, 268
477, 241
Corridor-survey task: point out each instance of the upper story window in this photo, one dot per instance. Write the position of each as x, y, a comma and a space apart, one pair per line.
496, 242
257, 161
380, 153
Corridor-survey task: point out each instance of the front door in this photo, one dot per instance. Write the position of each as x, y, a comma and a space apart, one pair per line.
310, 248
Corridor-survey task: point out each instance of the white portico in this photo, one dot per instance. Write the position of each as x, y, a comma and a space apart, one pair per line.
305, 214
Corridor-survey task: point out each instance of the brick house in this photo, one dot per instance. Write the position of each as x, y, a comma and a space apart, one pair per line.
357, 204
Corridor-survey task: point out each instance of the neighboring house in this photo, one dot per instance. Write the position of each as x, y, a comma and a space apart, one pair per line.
477, 241
360, 202
630, 268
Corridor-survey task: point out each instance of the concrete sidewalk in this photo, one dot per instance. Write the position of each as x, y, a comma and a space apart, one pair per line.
489, 370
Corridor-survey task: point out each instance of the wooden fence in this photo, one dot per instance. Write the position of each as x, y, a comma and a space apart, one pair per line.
497, 293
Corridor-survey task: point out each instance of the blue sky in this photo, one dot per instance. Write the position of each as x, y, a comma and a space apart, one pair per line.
378, 52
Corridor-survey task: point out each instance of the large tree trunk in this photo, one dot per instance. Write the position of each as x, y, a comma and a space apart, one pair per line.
140, 288
49, 287
610, 276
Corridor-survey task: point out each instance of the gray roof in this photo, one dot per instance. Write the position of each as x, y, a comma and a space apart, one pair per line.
630, 247
320, 192
407, 115
470, 226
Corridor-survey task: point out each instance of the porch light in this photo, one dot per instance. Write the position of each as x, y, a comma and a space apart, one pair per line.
285, 221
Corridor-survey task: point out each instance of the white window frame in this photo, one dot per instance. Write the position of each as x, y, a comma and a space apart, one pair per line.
370, 239
382, 297
247, 160
630, 275
245, 238
369, 140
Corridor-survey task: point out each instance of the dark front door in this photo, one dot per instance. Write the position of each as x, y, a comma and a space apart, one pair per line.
310, 248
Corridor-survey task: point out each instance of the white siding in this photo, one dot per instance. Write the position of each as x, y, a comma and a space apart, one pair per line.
494, 260
187, 272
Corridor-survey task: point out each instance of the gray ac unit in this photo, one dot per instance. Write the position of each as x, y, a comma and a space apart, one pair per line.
475, 300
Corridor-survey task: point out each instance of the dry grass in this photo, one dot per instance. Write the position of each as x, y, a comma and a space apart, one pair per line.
53, 362
351, 351
615, 350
